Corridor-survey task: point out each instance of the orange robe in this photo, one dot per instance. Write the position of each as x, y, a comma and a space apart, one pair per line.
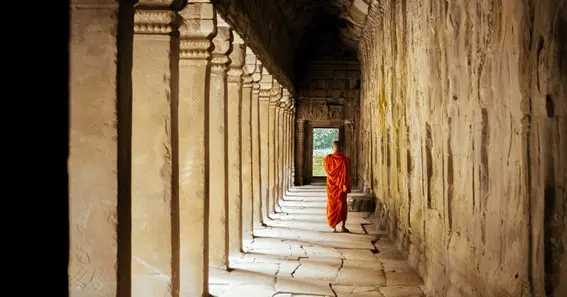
338, 185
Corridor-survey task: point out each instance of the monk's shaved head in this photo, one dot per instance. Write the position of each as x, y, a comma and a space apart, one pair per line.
337, 145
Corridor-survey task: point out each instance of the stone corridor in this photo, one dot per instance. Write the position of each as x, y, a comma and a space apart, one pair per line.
296, 255
191, 147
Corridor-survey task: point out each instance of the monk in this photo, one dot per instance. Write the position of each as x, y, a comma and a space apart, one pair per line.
337, 168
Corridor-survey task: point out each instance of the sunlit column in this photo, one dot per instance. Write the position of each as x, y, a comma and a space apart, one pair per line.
272, 143
153, 83
299, 153
99, 141
257, 194
234, 145
264, 119
292, 144
197, 28
246, 133
283, 143
291, 161
218, 224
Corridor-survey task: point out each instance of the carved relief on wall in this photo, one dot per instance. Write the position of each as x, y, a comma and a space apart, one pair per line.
320, 110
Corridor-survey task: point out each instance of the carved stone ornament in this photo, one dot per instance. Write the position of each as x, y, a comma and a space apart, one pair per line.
153, 21
319, 110
196, 30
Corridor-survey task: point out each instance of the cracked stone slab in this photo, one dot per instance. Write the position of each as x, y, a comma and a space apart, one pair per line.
288, 267
261, 268
360, 277
357, 254
366, 264
390, 253
318, 269
303, 286
356, 291
396, 265
322, 252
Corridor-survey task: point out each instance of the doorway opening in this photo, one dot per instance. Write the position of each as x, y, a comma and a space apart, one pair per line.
322, 140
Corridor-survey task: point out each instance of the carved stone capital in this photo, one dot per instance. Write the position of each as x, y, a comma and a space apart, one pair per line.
235, 75
250, 62
275, 94
256, 88
266, 80
264, 95
276, 89
222, 46
291, 107
246, 81
196, 30
238, 52
284, 99
236, 59
153, 22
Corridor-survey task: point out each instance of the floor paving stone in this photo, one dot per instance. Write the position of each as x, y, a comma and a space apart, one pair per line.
296, 255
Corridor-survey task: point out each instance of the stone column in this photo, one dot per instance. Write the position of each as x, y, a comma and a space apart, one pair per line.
291, 143
246, 134
276, 151
154, 86
286, 150
99, 181
218, 215
197, 28
299, 153
283, 143
281, 148
264, 119
233, 129
275, 95
256, 150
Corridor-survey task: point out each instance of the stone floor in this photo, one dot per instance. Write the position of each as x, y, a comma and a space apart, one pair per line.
297, 255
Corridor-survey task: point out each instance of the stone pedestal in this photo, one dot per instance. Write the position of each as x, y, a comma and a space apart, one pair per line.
234, 145
256, 151
196, 34
153, 84
94, 141
218, 224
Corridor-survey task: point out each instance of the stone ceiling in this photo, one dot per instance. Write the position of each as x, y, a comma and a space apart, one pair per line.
286, 34
308, 18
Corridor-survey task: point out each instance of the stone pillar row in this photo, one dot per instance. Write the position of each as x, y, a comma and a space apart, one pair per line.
181, 145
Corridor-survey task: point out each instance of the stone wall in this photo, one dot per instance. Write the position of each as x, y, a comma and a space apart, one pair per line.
464, 141
328, 97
